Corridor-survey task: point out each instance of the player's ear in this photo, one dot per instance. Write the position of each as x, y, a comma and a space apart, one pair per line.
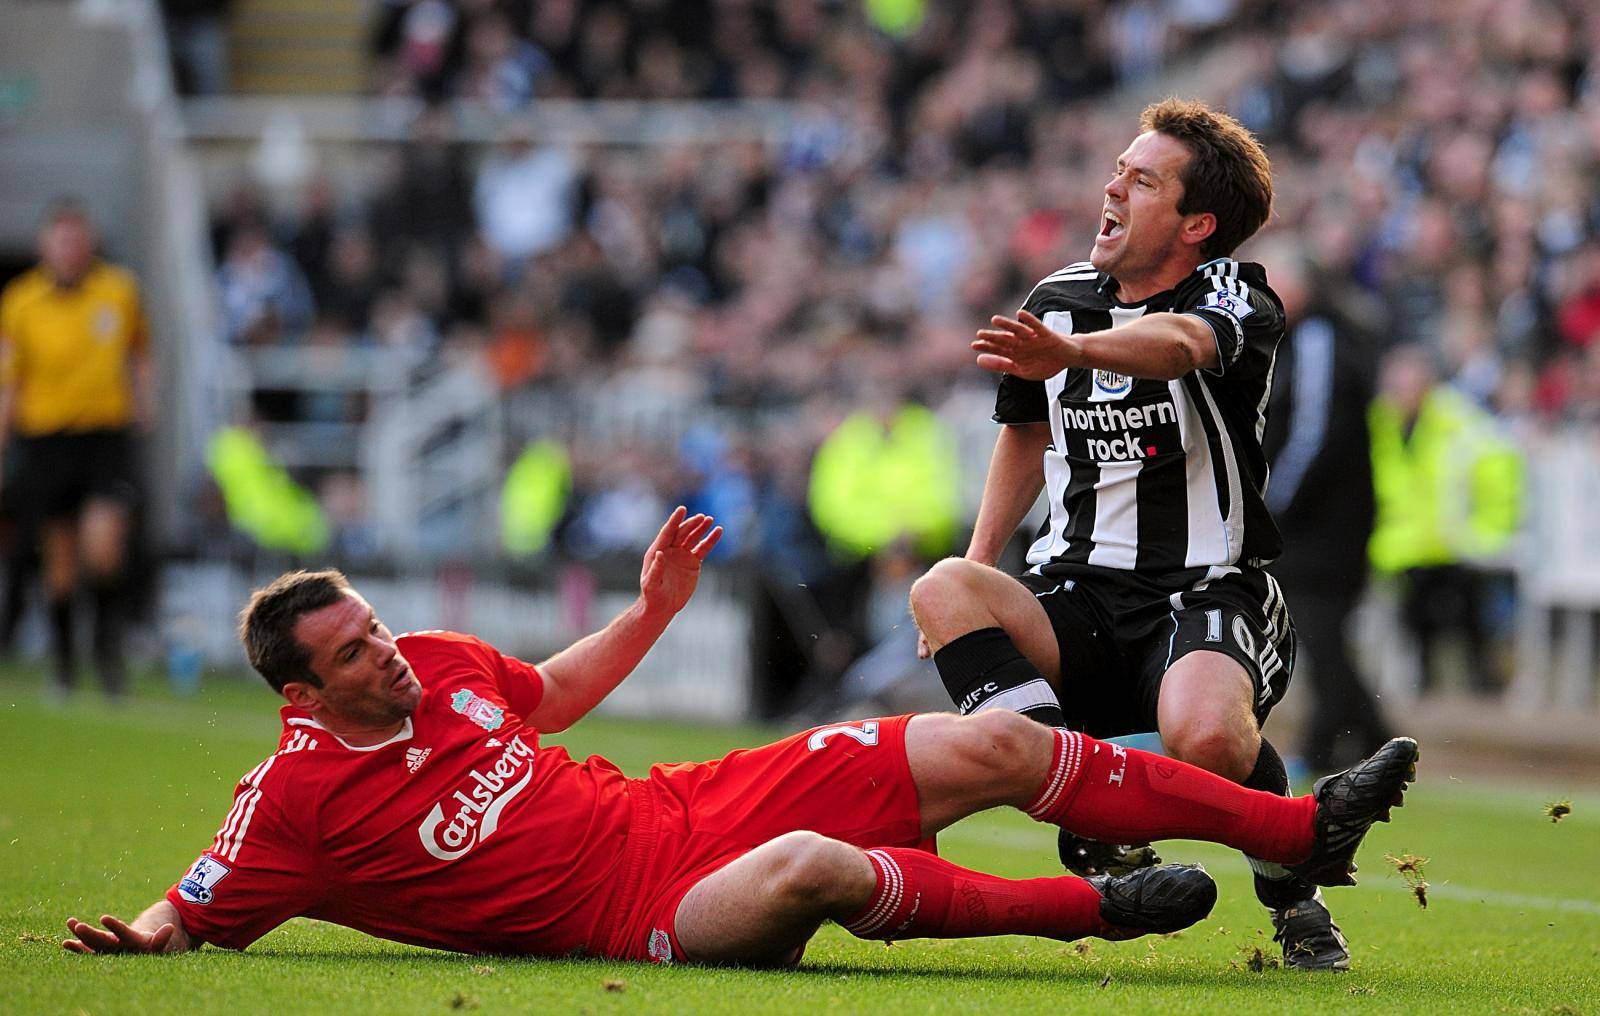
302, 694
1198, 227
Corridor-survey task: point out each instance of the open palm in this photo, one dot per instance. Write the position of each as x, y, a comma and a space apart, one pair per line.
1023, 346
672, 564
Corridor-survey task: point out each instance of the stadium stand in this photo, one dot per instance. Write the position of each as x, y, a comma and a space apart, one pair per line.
478, 254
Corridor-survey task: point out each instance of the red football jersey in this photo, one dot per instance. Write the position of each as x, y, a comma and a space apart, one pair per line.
460, 832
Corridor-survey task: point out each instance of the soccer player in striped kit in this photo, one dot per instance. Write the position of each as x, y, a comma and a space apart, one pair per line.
1134, 392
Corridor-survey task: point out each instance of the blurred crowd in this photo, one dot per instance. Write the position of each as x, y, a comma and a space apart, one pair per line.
1437, 162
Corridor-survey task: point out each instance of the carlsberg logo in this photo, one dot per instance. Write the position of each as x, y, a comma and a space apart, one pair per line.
476, 808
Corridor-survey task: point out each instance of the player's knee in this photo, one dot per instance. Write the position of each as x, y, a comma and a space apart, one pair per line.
1000, 743
948, 584
937, 583
809, 868
1215, 745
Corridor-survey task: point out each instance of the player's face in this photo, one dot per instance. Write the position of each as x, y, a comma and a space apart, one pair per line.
1140, 228
365, 680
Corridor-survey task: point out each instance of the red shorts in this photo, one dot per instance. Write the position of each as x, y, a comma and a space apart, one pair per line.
848, 781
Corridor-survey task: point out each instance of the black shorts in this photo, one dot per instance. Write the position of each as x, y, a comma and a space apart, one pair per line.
54, 475
1119, 633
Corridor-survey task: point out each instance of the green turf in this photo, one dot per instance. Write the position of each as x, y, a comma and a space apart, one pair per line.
101, 809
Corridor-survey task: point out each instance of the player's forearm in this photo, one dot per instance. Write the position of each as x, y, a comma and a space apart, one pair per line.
1016, 473
578, 677
1158, 346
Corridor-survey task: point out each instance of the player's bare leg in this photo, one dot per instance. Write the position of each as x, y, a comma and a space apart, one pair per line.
1207, 719
1206, 715
991, 640
762, 909
958, 596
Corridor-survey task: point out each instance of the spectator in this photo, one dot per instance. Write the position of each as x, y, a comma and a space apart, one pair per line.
1449, 497
265, 298
525, 197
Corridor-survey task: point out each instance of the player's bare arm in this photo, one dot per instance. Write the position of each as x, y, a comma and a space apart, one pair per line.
1161, 346
1016, 475
577, 678
158, 929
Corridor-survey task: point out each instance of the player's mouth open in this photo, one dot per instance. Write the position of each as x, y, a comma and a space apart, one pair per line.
1111, 226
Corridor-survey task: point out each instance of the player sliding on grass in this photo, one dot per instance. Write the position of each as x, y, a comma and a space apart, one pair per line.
410, 798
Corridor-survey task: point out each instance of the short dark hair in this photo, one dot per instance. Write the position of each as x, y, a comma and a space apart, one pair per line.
266, 624
1228, 173
65, 207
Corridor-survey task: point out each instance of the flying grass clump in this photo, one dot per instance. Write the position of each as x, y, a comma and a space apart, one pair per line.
1257, 960
1558, 810
1409, 867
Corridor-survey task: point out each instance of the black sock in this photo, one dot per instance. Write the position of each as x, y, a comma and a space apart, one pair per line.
108, 636
984, 669
61, 640
1270, 774
1275, 887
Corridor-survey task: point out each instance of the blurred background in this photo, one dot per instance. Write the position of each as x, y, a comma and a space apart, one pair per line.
462, 297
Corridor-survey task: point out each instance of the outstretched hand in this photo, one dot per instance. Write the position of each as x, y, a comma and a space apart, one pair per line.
120, 937
1023, 346
672, 564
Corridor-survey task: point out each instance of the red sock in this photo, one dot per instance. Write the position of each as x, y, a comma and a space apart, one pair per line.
1123, 795
920, 895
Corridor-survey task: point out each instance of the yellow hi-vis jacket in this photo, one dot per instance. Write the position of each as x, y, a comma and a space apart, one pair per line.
873, 483
261, 498
1452, 493
534, 498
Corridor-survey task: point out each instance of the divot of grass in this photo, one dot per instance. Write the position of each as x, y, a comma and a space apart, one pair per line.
1409, 867
1258, 961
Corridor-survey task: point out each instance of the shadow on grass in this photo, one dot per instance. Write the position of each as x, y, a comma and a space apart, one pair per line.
1125, 974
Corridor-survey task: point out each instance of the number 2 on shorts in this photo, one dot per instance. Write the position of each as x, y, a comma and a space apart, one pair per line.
865, 732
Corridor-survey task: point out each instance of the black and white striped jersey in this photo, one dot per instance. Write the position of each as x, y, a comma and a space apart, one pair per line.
1161, 477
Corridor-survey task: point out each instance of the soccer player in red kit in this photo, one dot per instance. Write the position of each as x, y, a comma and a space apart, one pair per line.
410, 798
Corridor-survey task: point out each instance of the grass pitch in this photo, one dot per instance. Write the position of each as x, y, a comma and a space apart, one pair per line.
102, 808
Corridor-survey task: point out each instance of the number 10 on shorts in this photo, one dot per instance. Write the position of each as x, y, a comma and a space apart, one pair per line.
865, 732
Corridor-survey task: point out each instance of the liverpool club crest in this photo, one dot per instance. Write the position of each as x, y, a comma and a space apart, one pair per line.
478, 709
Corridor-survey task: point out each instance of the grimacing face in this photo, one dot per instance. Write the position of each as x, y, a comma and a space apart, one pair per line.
1140, 227
365, 681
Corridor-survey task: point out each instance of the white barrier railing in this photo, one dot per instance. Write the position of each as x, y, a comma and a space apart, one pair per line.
1558, 575
700, 669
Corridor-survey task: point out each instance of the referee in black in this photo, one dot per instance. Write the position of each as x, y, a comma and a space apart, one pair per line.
1321, 496
1134, 391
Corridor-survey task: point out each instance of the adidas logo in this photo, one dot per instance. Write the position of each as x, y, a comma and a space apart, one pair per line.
493, 742
416, 756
